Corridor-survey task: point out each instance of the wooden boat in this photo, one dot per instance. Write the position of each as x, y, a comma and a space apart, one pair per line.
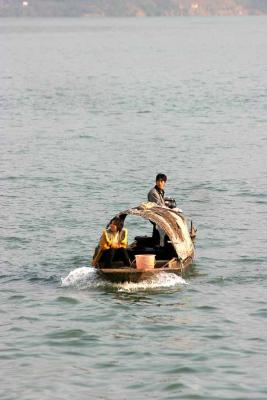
175, 256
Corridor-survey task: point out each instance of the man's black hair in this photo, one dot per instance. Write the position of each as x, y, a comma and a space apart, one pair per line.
161, 177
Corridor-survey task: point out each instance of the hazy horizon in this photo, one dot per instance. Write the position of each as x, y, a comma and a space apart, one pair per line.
133, 8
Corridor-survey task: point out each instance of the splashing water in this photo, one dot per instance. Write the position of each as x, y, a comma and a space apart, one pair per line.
86, 277
81, 278
161, 280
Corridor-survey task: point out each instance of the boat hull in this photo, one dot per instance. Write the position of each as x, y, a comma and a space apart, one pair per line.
129, 274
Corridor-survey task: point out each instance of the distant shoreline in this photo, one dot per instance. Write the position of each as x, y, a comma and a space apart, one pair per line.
131, 8
3, 17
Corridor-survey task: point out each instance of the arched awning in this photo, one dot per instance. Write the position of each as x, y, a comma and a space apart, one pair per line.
170, 221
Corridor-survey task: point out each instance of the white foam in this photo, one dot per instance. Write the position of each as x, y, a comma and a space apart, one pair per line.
161, 280
87, 277
80, 278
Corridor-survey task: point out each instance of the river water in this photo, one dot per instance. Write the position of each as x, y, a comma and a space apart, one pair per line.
90, 111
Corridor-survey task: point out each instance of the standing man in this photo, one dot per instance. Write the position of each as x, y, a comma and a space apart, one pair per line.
156, 194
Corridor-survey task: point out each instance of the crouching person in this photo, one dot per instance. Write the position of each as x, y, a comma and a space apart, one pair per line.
112, 245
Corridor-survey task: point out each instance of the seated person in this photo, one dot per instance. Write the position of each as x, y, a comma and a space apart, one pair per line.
113, 243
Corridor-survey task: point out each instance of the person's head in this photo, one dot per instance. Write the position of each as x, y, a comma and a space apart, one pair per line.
161, 180
116, 225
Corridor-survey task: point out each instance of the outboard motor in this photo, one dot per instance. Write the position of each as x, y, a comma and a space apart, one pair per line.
170, 202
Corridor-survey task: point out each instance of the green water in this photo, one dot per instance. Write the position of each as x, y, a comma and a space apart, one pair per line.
90, 111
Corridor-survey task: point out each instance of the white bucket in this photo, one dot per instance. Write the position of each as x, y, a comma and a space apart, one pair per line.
145, 261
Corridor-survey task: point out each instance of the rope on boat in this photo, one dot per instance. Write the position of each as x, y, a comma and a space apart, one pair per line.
132, 263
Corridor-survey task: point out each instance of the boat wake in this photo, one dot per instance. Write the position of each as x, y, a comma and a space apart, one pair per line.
87, 277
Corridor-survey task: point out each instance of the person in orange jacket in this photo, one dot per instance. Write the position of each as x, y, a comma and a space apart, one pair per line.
113, 242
